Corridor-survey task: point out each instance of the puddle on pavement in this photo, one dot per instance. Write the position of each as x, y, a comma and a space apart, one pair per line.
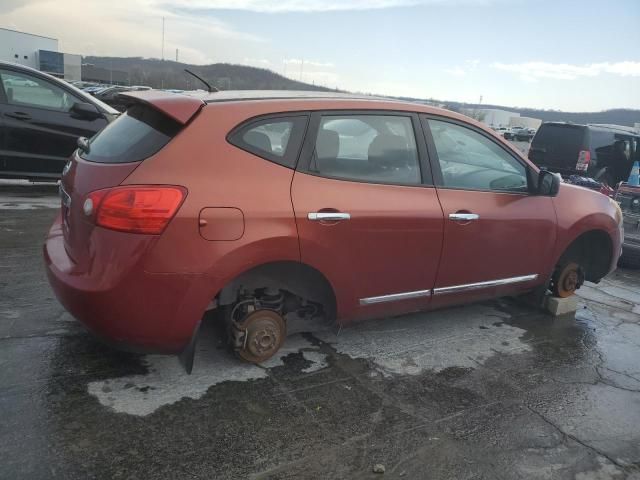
461, 337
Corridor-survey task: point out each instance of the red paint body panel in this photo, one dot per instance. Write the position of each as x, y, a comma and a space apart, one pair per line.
390, 245
581, 210
179, 107
513, 233
152, 290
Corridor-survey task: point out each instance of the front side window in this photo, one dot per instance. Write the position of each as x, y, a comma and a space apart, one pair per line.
471, 161
369, 148
27, 91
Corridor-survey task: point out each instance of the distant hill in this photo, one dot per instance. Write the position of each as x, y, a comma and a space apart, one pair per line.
169, 74
618, 116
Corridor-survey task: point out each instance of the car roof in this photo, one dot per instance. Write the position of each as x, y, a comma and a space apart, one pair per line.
311, 100
237, 95
598, 126
294, 100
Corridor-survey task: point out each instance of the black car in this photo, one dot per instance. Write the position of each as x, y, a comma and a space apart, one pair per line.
41, 118
628, 197
603, 152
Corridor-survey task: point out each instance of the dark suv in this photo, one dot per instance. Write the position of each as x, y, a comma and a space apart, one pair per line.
603, 152
628, 197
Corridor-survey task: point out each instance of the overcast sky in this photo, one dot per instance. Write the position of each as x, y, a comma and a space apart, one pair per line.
576, 55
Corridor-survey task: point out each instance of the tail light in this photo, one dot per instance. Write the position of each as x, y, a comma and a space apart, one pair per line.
584, 157
135, 209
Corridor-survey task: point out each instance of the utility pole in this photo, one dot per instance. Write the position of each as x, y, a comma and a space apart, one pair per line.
176, 55
162, 38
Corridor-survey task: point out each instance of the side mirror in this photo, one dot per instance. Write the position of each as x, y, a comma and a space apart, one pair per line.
86, 110
548, 183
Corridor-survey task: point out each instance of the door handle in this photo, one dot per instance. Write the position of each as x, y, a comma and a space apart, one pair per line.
18, 115
328, 216
463, 217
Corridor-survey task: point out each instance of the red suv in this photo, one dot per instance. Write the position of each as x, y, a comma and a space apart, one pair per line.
272, 205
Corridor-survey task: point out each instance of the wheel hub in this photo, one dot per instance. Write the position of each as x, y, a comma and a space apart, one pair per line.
264, 332
569, 280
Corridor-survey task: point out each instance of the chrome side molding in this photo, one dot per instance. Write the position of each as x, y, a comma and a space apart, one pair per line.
395, 297
444, 290
491, 283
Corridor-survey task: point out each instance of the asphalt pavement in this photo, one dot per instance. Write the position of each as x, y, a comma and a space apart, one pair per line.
495, 390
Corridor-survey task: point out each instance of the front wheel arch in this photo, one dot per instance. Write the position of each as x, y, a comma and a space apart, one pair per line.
593, 251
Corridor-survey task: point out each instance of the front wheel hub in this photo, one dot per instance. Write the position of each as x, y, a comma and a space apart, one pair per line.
264, 333
569, 279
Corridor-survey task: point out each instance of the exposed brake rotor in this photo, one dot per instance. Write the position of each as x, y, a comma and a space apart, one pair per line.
259, 335
568, 280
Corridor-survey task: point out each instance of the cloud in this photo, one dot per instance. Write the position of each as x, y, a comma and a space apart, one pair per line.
461, 71
316, 5
130, 29
456, 71
533, 71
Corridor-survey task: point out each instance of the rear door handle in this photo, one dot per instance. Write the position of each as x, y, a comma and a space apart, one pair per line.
463, 217
18, 115
328, 216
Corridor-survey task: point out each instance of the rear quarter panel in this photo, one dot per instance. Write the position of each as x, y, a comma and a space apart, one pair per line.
218, 174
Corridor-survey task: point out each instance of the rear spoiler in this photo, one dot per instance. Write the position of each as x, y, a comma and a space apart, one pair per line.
179, 107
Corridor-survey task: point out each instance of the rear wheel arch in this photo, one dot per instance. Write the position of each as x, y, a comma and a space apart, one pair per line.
295, 277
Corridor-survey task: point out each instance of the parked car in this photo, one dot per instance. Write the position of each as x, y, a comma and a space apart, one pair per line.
603, 152
523, 135
629, 199
274, 205
111, 95
500, 131
511, 132
41, 118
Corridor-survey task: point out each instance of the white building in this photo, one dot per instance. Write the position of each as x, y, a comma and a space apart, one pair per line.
494, 117
525, 122
39, 52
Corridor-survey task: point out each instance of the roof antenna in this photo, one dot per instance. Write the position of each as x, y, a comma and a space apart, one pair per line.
209, 87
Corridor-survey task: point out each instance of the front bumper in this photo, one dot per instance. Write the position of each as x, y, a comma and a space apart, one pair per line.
133, 308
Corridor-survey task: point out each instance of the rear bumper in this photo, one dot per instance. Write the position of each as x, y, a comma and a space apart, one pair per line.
125, 305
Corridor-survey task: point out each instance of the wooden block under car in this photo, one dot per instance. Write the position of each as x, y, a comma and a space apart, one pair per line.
560, 306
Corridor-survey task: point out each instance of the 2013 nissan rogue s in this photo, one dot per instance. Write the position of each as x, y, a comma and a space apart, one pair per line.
270, 205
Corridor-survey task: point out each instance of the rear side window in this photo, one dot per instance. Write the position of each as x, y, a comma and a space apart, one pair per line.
277, 139
367, 148
564, 137
132, 137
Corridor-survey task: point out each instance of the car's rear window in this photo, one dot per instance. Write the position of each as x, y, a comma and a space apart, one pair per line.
569, 135
132, 137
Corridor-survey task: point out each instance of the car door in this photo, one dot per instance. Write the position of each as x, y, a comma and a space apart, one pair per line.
497, 235
40, 130
367, 213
